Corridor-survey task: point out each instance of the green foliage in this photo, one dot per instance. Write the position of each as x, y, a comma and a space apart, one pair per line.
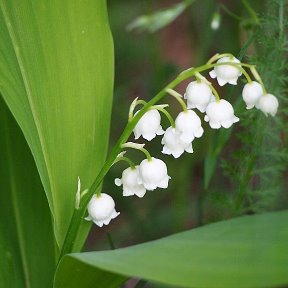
57, 78
257, 169
224, 254
26, 235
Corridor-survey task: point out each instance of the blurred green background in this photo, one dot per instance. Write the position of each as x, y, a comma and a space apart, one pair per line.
231, 172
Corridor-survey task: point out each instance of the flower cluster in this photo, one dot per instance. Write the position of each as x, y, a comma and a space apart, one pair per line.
253, 96
201, 96
149, 175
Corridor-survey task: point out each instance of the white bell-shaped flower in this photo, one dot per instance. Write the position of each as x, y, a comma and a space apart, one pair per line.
173, 144
268, 104
153, 174
198, 95
130, 183
251, 94
149, 125
226, 73
188, 124
101, 209
220, 113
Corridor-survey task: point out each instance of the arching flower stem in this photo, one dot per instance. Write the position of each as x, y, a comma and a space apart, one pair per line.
166, 113
218, 56
133, 105
202, 78
258, 78
215, 93
127, 160
139, 147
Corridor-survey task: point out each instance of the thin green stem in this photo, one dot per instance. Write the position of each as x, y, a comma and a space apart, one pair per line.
281, 18
246, 75
139, 147
148, 155
258, 78
198, 80
215, 93
230, 13
243, 186
125, 159
178, 97
251, 11
218, 56
133, 106
110, 241
202, 78
167, 114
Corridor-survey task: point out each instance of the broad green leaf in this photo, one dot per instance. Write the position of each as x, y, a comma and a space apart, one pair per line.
56, 76
250, 251
26, 234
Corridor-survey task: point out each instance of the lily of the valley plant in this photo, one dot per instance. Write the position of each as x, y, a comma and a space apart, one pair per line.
152, 173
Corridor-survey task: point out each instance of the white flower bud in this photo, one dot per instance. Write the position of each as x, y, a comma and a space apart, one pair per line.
130, 183
173, 144
268, 104
188, 124
216, 20
251, 94
149, 125
153, 174
220, 114
101, 209
198, 95
226, 73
